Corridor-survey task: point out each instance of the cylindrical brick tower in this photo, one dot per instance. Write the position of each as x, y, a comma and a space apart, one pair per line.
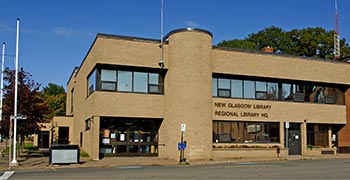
188, 95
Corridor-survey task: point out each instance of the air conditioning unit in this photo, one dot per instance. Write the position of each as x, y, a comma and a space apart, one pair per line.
299, 97
329, 99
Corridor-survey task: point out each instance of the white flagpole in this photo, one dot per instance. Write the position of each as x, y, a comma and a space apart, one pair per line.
14, 161
2, 79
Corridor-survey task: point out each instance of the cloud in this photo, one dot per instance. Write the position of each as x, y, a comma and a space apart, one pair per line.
63, 32
192, 24
70, 33
4, 28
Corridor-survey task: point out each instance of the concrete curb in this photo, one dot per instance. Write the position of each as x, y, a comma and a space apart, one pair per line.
43, 162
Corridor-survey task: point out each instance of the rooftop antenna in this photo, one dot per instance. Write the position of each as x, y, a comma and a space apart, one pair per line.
161, 62
336, 33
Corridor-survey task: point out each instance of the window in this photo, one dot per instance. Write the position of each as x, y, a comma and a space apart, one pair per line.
224, 89
287, 90
237, 88
215, 87
87, 124
249, 89
125, 81
108, 79
245, 132
121, 80
155, 83
140, 82
92, 83
272, 91
317, 135
261, 90
71, 101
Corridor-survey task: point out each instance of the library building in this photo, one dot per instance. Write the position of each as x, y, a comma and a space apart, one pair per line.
223, 102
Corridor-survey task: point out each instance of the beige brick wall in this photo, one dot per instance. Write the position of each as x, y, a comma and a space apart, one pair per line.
190, 62
188, 96
278, 111
275, 66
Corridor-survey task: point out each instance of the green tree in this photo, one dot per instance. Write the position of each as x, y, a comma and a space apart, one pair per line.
29, 103
312, 42
238, 43
53, 89
55, 98
274, 37
308, 42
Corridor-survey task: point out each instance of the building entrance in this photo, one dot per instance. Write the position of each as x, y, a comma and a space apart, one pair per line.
294, 139
129, 137
43, 139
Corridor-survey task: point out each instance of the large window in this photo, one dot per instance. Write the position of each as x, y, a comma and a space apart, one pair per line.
245, 132
261, 90
249, 89
268, 89
237, 88
140, 82
317, 135
272, 91
129, 136
126, 80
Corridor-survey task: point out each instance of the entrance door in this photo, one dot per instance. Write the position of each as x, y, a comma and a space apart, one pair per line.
294, 139
43, 139
136, 142
129, 137
63, 135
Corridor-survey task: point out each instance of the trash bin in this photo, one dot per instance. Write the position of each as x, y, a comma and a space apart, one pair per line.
64, 154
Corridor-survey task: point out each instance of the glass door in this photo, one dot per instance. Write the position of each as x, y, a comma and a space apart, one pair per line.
129, 137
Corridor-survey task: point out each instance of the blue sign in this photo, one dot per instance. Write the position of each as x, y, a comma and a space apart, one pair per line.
181, 146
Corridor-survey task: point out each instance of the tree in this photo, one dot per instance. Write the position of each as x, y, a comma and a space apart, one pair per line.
30, 103
274, 37
55, 98
53, 89
238, 43
308, 42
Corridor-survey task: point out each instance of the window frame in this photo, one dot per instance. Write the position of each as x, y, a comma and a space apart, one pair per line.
159, 86
277, 89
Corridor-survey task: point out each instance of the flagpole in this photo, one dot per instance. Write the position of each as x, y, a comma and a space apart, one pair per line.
2, 81
14, 161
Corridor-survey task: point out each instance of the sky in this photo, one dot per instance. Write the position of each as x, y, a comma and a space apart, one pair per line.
55, 35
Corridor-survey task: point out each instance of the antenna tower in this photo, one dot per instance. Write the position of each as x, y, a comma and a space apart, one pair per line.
336, 33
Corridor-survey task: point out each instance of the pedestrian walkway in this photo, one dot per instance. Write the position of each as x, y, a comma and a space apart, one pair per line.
42, 162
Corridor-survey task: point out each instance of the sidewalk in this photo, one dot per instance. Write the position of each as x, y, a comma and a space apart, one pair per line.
40, 162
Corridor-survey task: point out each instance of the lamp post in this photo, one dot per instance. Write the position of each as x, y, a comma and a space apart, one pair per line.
14, 161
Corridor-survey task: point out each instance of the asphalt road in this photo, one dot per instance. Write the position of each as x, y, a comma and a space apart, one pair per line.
298, 169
